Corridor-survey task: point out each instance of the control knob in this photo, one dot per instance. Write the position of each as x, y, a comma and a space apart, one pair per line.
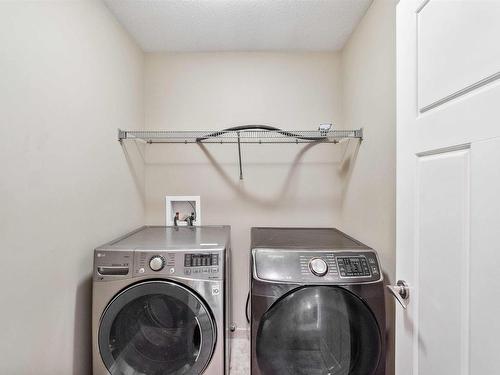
157, 263
318, 266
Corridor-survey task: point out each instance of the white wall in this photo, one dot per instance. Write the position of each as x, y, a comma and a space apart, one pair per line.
69, 77
369, 100
284, 185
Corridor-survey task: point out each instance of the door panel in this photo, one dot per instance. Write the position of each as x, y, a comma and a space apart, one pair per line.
442, 256
448, 95
472, 59
485, 257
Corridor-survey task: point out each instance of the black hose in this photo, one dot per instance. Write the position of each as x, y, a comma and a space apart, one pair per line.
246, 307
260, 127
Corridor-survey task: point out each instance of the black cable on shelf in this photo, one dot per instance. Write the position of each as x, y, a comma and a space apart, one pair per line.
258, 127
246, 308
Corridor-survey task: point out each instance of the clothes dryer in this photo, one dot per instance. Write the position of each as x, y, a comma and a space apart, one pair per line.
317, 304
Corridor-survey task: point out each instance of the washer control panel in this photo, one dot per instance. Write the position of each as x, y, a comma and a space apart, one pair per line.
316, 266
192, 265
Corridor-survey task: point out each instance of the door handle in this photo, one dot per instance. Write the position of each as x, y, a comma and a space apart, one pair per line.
401, 291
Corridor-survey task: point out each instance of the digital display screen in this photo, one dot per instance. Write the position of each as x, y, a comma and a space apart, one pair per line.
201, 260
353, 266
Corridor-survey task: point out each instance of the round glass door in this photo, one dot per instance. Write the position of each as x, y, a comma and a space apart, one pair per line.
156, 328
318, 330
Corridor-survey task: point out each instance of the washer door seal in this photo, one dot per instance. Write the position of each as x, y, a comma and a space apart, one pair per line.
157, 327
318, 330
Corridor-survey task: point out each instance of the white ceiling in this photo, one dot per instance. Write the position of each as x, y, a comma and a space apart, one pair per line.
239, 25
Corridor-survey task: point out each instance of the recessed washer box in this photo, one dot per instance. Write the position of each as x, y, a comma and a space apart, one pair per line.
184, 205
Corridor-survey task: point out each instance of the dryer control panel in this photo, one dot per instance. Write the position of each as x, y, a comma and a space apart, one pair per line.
316, 266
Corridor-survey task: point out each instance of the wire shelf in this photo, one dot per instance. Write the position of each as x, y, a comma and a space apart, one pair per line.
257, 134
240, 136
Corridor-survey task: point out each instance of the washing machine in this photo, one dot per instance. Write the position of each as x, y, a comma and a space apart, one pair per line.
317, 304
161, 302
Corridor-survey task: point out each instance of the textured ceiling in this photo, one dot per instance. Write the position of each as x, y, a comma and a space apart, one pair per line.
239, 25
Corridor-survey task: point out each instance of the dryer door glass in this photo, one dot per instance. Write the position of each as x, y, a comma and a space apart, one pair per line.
156, 327
318, 330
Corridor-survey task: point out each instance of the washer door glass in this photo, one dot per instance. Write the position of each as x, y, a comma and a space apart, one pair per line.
156, 327
318, 330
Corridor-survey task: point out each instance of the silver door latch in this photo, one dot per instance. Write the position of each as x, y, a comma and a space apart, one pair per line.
401, 291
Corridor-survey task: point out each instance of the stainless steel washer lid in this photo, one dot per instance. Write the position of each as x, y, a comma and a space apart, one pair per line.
156, 237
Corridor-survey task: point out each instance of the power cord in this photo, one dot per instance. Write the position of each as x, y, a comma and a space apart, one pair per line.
246, 308
255, 127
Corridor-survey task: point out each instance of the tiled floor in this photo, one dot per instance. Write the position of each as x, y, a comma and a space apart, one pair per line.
240, 356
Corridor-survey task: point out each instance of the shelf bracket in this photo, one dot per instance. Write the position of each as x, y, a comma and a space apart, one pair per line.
358, 133
122, 134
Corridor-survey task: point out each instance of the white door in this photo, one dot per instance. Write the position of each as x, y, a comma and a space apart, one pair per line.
448, 187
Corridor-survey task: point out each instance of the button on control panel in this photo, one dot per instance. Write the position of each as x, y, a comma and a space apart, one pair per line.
315, 265
157, 263
318, 266
196, 271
